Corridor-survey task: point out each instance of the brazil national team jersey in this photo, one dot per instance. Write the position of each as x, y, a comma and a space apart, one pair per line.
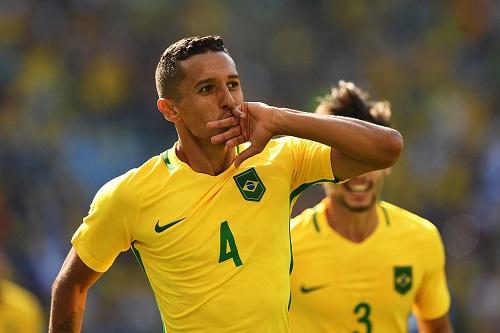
344, 287
216, 249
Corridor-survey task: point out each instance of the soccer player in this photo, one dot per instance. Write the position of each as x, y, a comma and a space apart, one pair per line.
362, 265
208, 219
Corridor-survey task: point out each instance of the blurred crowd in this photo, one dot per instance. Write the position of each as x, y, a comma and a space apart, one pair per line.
78, 108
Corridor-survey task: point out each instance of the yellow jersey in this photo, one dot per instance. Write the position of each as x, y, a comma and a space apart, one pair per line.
20, 311
216, 249
341, 286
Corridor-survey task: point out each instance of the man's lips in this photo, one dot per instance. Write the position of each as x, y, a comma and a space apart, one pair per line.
355, 187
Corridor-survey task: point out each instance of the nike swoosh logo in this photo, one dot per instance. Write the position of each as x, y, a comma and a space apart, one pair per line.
306, 290
162, 228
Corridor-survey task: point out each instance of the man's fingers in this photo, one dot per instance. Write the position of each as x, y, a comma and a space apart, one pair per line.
235, 141
237, 112
226, 122
245, 154
226, 135
245, 122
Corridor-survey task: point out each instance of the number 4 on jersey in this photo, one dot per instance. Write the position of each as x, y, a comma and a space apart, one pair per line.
227, 238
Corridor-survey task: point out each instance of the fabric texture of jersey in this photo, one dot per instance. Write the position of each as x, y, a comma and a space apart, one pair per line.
20, 311
341, 286
216, 249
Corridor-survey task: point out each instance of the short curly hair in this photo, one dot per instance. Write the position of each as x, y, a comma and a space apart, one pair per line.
347, 100
168, 72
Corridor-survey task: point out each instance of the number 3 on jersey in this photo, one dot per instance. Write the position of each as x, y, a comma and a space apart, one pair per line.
227, 239
363, 311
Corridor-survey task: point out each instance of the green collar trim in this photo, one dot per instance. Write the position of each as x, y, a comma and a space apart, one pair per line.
386, 216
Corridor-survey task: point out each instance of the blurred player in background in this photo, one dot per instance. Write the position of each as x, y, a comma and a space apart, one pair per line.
209, 222
20, 310
361, 264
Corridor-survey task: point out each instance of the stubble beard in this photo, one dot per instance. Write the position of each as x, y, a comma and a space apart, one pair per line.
358, 209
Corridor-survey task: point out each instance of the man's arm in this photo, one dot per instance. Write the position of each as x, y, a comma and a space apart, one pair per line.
357, 146
439, 325
69, 293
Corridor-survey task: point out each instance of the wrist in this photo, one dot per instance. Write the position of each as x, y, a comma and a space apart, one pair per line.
283, 121
278, 121
274, 123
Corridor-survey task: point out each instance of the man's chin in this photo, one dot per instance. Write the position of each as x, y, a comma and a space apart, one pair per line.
358, 208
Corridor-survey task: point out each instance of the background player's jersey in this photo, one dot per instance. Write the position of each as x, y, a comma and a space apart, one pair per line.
216, 249
20, 311
341, 286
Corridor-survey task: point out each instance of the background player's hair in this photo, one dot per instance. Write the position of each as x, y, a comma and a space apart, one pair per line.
347, 100
168, 72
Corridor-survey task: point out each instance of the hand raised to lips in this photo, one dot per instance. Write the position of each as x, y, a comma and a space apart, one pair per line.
255, 126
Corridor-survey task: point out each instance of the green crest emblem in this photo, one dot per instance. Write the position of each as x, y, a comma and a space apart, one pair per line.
402, 279
250, 185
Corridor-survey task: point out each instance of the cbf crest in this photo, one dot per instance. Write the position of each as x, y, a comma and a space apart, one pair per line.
250, 185
402, 279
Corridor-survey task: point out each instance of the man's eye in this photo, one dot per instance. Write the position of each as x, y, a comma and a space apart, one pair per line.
233, 84
205, 89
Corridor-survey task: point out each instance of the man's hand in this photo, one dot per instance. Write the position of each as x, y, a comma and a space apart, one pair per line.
255, 125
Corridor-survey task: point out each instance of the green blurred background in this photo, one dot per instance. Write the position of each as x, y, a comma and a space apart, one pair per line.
78, 107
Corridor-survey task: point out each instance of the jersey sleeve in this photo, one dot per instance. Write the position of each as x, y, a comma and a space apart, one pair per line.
433, 298
311, 164
107, 230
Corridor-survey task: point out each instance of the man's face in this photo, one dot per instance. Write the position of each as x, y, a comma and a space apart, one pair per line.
209, 90
358, 194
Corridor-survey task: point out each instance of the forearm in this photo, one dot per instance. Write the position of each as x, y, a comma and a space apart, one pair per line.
67, 308
363, 141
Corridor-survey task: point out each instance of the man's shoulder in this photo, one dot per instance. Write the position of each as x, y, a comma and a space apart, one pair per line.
132, 182
277, 149
148, 169
409, 222
286, 140
307, 222
301, 220
282, 147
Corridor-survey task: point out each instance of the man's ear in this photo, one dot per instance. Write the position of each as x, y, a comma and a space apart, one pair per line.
168, 110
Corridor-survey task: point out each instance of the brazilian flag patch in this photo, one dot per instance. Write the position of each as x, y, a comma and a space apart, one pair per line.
250, 185
402, 279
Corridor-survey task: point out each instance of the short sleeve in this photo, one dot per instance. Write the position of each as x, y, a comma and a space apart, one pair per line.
312, 164
433, 298
107, 229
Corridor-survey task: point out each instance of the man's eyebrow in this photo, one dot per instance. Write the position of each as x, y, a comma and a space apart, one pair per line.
199, 83
211, 79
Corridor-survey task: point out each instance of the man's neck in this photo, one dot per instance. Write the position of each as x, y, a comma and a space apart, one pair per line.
355, 226
203, 156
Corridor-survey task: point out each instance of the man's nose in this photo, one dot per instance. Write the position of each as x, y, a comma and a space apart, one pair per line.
226, 100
